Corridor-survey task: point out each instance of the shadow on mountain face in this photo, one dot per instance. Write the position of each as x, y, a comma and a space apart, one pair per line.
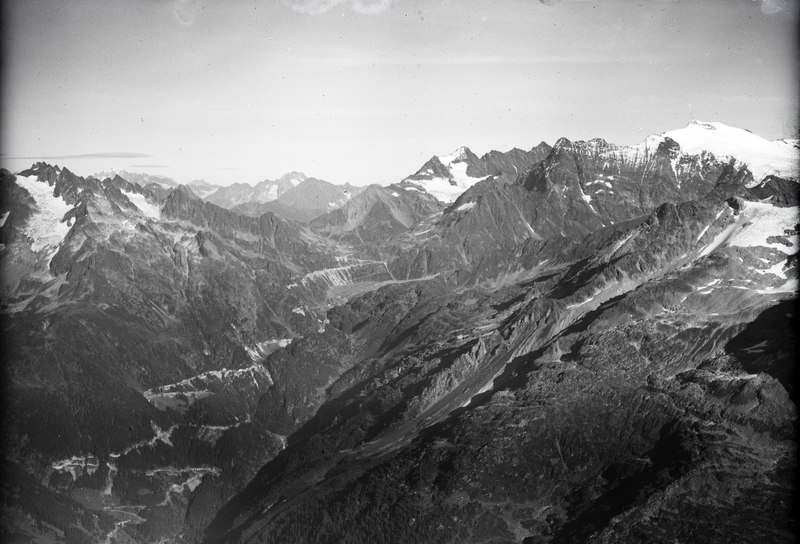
769, 344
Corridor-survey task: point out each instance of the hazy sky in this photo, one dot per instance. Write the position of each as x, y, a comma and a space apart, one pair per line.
364, 91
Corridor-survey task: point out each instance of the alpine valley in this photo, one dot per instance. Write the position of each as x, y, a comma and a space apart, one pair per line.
578, 342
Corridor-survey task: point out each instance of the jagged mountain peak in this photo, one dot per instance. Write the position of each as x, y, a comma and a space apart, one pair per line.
541, 145
293, 177
461, 154
562, 143
139, 178
182, 191
434, 167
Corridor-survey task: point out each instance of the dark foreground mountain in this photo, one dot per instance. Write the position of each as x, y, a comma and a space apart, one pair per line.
592, 344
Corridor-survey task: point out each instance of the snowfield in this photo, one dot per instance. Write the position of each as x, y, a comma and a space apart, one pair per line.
763, 220
147, 208
763, 157
757, 222
45, 227
445, 189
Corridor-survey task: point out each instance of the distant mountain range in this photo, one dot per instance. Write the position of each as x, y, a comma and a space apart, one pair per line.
303, 202
138, 178
264, 191
582, 342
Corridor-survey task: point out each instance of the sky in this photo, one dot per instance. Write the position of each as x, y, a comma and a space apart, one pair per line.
365, 91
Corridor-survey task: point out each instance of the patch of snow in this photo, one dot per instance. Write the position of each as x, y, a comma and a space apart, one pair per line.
706, 289
790, 286
583, 303
194, 388
299, 311
336, 276
77, 465
112, 470
466, 206
718, 240
147, 208
756, 348
395, 193
212, 433
333, 276
776, 270
282, 438
281, 343
706, 229
441, 189
712, 282
4, 217
702, 232
272, 193
760, 220
255, 356
486, 387
619, 243
195, 478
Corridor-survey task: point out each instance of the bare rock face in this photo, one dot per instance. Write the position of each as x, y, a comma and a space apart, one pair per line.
589, 343
782, 192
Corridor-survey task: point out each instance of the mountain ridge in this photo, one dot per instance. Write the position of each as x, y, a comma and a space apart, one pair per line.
566, 352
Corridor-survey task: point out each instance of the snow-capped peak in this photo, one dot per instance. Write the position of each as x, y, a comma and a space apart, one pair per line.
459, 154
445, 176
762, 157
293, 178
